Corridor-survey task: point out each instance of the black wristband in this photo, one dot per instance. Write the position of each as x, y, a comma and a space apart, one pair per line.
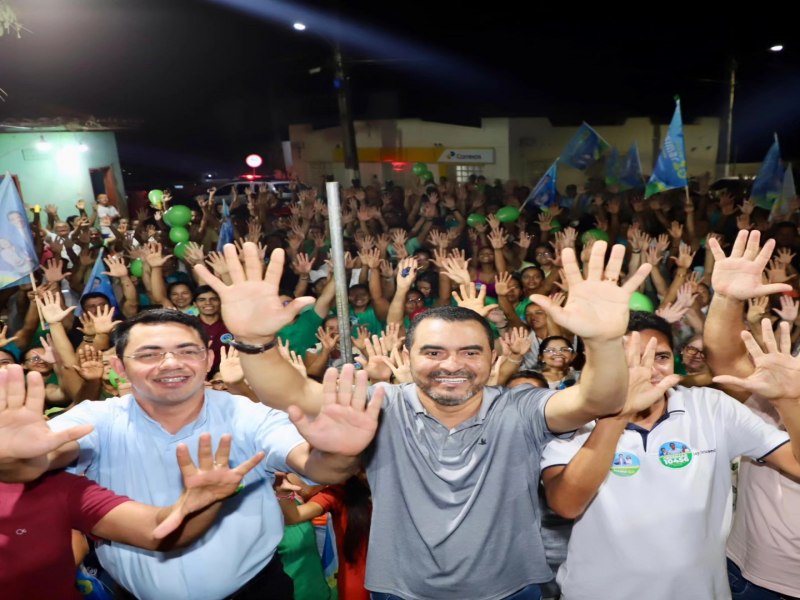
250, 349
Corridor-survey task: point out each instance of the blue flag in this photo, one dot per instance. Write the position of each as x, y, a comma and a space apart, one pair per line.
630, 173
670, 170
544, 195
226, 230
769, 181
17, 254
783, 207
613, 167
99, 283
585, 147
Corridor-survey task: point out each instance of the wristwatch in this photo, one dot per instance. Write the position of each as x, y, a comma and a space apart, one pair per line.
250, 348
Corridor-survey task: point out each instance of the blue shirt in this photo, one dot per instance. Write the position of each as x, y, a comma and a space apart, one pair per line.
131, 454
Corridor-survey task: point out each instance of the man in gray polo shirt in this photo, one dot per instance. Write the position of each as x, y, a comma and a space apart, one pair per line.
454, 466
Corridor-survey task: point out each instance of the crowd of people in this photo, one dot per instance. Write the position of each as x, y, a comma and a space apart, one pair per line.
536, 408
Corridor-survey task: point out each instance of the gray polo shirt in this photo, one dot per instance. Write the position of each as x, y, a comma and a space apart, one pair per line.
456, 512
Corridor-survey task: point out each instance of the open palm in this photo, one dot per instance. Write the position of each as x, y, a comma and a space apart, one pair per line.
739, 275
597, 307
24, 434
346, 424
251, 305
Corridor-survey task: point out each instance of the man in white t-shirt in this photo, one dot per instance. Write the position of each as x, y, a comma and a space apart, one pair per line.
764, 543
665, 516
106, 213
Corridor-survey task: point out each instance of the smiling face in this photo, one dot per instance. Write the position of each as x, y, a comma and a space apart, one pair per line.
170, 381
181, 296
557, 354
208, 304
664, 362
450, 361
531, 279
692, 354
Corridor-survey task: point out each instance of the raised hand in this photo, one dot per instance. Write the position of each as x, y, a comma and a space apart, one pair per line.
50, 304
251, 305
739, 275
757, 308
194, 254
154, 257
374, 367
597, 308
24, 434
400, 365
406, 273
116, 267
90, 363
788, 310
685, 256
103, 320
525, 240
3, 333
346, 424
473, 299
777, 372
210, 481
329, 341
516, 342
642, 394
302, 264
672, 313
498, 238
230, 367
54, 270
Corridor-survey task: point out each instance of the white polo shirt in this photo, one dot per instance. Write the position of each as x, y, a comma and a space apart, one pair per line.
658, 525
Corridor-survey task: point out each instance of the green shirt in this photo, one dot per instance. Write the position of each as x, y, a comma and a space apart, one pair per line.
367, 318
301, 562
302, 334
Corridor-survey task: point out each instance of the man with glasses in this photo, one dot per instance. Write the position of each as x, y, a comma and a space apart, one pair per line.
164, 354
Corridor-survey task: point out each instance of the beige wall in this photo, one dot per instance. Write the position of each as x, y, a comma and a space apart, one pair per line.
524, 148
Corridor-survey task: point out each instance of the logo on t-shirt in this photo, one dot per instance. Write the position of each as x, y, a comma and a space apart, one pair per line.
675, 455
226, 338
625, 464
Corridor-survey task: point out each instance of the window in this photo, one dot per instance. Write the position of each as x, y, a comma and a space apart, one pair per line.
464, 171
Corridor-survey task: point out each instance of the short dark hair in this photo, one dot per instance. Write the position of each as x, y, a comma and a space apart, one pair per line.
452, 314
154, 317
529, 374
203, 289
641, 320
550, 338
358, 286
90, 295
174, 284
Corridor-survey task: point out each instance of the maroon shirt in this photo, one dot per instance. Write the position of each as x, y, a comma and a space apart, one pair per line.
36, 523
219, 335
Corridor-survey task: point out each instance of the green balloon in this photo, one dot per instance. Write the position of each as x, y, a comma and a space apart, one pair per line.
178, 235
178, 216
136, 267
640, 302
180, 249
597, 234
427, 177
155, 197
555, 225
507, 214
476, 219
419, 168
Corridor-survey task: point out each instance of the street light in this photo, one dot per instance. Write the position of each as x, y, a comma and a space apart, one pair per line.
726, 146
340, 82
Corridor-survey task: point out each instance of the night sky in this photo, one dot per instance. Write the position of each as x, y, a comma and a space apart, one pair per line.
210, 81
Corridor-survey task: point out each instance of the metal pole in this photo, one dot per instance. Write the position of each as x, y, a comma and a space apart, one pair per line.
729, 123
339, 272
345, 115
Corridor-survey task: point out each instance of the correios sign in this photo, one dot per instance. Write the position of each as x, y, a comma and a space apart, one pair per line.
467, 155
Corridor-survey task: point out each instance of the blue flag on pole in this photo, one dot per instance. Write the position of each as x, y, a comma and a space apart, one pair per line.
585, 147
613, 167
544, 195
670, 170
630, 173
99, 283
769, 181
782, 208
17, 254
226, 230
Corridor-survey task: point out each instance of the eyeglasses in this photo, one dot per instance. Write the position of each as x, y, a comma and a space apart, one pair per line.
692, 351
562, 350
155, 357
544, 253
35, 359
